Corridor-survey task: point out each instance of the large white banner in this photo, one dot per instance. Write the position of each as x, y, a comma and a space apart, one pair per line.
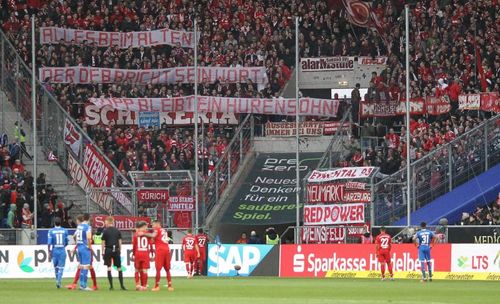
340, 173
475, 258
30, 262
335, 214
123, 40
71, 137
92, 75
207, 104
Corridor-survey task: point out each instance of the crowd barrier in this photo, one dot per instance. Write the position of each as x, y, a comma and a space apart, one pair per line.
449, 261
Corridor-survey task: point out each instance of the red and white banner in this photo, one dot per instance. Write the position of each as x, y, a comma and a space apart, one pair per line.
336, 214
152, 196
336, 193
92, 75
317, 260
123, 40
469, 102
207, 104
327, 64
122, 222
490, 102
79, 176
340, 173
306, 128
386, 109
368, 60
72, 138
323, 234
181, 203
107, 116
187, 118
437, 106
98, 170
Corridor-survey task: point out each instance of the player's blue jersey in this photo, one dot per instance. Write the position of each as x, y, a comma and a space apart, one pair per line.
58, 237
425, 238
81, 234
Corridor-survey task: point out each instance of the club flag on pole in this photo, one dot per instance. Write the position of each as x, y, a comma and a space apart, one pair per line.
51, 156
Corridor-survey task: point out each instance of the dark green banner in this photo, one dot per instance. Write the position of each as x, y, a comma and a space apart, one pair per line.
267, 196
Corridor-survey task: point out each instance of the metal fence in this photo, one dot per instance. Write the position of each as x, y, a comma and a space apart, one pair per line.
333, 154
15, 81
439, 172
226, 167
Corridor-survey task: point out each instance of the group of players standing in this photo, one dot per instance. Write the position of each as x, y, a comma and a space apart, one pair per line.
424, 239
146, 243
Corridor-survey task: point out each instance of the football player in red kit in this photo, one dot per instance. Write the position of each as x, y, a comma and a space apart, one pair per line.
202, 241
141, 247
383, 249
191, 252
162, 256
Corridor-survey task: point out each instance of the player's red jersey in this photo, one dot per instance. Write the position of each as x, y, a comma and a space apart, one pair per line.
161, 240
188, 244
141, 246
202, 240
384, 242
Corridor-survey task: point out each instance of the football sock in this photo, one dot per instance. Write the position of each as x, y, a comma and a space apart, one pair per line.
389, 265
422, 266
136, 278
110, 279
200, 267
77, 276
429, 268
59, 274
157, 277
94, 279
169, 278
188, 268
144, 279
120, 278
83, 278
382, 269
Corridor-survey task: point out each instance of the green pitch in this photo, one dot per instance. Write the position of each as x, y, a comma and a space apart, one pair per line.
257, 290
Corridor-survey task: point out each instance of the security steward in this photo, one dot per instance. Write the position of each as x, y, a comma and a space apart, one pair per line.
111, 247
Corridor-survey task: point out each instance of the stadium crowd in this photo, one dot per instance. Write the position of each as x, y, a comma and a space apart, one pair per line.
488, 214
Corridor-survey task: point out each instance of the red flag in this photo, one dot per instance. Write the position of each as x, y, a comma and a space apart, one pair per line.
480, 70
362, 14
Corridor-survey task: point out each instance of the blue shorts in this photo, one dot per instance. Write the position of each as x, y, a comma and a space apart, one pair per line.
59, 257
424, 254
84, 255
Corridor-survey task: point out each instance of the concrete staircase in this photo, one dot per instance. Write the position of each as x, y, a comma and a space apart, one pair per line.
55, 176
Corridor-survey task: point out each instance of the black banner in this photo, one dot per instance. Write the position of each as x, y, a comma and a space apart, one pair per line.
474, 234
267, 197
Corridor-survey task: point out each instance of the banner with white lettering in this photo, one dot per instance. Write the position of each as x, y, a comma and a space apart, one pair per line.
393, 108
323, 234
181, 203
123, 40
488, 102
336, 193
152, 196
178, 75
206, 104
108, 116
187, 118
340, 173
287, 129
99, 172
71, 137
437, 105
335, 214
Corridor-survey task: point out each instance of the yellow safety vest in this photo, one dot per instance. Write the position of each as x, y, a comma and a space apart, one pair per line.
269, 241
97, 239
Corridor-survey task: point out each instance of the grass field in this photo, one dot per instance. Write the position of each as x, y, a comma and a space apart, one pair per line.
258, 290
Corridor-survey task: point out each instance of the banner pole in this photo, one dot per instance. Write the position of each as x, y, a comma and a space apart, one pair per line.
196, 123
33, 105
297, 137
408, 163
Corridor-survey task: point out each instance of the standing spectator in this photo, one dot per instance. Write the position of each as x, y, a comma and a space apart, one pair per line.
243, 239
47, 216
20, 136
272, 237
62, 213
355, 100
11, 217
254, 238
27, 217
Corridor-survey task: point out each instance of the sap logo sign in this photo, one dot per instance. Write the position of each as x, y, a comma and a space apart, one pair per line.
221, 260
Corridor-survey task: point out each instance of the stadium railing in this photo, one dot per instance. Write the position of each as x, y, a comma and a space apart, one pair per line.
15, 81
439, 172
